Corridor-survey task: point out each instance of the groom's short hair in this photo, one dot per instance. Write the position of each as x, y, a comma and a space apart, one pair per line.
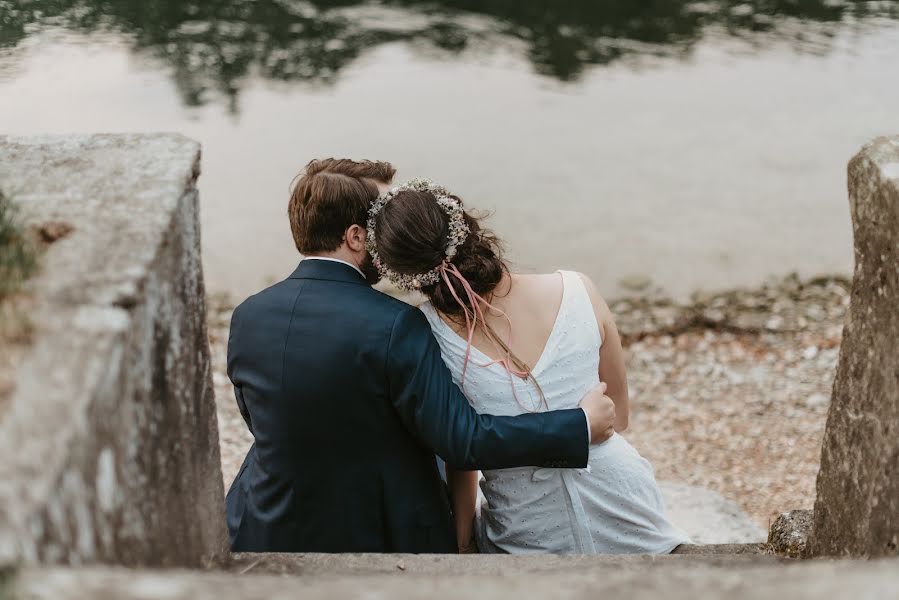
329, 196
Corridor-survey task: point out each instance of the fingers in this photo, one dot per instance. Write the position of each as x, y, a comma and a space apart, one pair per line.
601, 413
595, 395
605, 435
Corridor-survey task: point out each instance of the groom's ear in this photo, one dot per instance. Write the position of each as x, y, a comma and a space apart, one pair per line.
355, 238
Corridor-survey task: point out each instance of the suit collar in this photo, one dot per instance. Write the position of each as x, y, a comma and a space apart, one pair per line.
328, 271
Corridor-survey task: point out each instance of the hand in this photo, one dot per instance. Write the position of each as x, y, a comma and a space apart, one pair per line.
600, 412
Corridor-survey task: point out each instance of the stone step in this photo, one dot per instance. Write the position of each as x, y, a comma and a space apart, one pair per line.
736, 577
484, 564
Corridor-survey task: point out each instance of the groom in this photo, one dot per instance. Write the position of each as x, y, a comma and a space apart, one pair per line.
348, 399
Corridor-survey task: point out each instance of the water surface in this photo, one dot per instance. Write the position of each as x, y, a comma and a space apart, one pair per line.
699, 144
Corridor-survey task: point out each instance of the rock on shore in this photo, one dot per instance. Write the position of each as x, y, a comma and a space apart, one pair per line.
857, 506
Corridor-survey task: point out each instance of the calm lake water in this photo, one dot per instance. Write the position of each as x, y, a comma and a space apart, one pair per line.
697, 144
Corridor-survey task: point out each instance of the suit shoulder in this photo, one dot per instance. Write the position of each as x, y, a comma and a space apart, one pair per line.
387, 303
397, 314
264, 298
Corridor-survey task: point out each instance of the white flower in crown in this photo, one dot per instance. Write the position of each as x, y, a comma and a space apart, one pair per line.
458, 232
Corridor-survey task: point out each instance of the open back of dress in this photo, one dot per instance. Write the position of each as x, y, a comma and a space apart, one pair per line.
612, 506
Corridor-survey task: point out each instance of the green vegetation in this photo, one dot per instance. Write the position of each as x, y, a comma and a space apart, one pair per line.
18, 258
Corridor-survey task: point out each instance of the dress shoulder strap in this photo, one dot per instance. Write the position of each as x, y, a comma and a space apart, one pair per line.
431, 314
579, 305
448, 339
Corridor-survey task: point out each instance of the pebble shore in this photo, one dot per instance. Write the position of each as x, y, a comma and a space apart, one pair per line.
729, 391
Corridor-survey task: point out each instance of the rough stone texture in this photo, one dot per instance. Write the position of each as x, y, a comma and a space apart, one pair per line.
708, 517
635, 578
110, 446
346, 565
788, 535
857, 504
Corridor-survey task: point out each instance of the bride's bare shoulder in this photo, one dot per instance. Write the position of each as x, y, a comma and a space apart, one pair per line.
537, 283
536, 291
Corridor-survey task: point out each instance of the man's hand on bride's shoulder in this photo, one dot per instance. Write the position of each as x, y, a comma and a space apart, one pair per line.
600, 411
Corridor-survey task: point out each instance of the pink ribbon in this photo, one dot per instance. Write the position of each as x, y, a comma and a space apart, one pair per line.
471, 322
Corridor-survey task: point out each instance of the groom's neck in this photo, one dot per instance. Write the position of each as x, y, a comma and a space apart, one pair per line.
342, 253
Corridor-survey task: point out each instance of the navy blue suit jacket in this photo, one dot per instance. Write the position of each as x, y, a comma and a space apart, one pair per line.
348, 400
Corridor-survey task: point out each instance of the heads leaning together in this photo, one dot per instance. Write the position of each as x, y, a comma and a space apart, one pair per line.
418, 235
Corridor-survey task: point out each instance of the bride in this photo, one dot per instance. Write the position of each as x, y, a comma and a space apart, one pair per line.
564, 342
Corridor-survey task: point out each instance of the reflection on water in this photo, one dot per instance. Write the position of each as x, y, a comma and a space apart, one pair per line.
212, 46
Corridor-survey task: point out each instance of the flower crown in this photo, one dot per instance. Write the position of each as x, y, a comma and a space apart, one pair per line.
458, 232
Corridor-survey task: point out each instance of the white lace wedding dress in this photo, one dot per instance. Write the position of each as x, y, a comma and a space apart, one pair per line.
614, 505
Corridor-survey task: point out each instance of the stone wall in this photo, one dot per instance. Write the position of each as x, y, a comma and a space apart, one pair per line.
109, 443
857, 505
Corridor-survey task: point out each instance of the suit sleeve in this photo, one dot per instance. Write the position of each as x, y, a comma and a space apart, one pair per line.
421, 389
232, 370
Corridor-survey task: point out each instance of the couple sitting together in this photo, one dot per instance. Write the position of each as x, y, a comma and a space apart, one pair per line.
350, 394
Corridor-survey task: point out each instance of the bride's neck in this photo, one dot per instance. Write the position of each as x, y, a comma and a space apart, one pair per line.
502, 289
504, 286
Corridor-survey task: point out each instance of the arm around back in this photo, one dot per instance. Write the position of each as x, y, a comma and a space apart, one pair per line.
421, 389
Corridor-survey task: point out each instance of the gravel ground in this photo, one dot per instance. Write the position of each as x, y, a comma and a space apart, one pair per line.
729, 392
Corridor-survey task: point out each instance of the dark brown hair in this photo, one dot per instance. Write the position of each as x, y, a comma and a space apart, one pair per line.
412, 235
412, 231
329, 196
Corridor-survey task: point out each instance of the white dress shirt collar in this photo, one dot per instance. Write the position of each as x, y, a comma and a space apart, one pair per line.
337, 260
